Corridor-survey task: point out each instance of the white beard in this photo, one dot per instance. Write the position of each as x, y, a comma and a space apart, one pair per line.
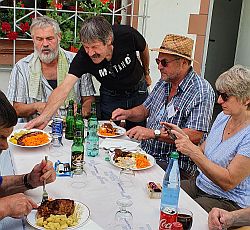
47, 58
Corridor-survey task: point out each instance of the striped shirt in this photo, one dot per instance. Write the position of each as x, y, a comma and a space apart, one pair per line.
191, 107
222, 153
18, 90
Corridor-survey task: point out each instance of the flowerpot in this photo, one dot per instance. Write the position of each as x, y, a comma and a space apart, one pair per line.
23, 48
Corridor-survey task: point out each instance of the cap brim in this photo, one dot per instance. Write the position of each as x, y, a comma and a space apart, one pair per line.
170, 52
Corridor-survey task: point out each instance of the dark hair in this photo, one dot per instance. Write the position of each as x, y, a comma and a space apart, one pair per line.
8, 116
96, 28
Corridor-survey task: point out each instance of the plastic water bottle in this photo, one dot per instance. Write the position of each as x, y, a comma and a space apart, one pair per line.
92, 141
57, 126
170, 192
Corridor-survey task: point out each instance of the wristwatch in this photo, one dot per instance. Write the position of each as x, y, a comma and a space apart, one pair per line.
157, 133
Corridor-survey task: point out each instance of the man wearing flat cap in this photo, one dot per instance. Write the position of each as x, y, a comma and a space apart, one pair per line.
180, 97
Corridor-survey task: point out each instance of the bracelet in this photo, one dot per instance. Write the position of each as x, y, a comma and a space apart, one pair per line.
26, 183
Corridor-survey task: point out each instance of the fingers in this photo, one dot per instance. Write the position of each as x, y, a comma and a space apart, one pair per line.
119, 114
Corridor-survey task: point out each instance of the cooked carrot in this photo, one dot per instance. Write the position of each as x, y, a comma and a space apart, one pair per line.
39, 139
142, 162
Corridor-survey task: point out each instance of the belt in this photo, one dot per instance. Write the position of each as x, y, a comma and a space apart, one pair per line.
122, 91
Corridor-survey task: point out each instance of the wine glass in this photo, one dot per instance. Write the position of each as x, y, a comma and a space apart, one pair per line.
79, 175
126, 178
123, 217
55, 145
185, 217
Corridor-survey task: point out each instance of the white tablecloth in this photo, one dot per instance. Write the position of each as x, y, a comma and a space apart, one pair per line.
103, 189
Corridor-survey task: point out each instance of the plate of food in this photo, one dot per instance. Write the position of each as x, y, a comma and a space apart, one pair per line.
109, 130
135, 160
29, 138
59, 214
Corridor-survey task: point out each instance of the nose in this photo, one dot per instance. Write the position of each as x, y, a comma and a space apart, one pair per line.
4, 144
90, 52
220, 100
45, 42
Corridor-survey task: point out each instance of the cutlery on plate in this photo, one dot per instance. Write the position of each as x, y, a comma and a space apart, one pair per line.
45, 194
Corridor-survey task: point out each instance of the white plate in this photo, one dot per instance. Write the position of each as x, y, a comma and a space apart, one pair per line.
121, 131
32, 130
85, 214
150, 158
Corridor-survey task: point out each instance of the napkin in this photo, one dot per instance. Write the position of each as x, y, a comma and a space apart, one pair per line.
115, 143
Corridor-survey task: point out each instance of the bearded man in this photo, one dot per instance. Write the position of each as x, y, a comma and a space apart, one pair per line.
34, 77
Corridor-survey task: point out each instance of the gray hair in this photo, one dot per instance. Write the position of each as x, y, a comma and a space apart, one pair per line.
43, 22
96, 28
235, 82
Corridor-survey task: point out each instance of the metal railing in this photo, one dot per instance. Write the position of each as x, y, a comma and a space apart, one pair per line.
125, 6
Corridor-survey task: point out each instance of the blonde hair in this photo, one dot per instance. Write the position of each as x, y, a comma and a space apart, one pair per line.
235, 82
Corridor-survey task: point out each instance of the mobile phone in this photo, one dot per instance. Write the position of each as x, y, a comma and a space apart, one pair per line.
171, 135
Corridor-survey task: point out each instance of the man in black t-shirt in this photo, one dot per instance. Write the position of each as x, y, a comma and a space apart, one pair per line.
108, 53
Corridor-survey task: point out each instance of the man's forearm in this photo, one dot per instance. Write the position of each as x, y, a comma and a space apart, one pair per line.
86, 105
145, 60
137, 114
12, 185
24, 110
241, 217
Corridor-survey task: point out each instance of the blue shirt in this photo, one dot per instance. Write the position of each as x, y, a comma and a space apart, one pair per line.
193, 108
222, 152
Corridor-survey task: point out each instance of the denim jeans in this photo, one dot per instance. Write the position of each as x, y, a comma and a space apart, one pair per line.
124, 99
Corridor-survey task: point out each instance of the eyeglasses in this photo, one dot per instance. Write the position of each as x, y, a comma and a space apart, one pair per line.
224, 96
164, 62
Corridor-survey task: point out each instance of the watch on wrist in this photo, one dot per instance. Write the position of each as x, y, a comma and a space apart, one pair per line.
157, 133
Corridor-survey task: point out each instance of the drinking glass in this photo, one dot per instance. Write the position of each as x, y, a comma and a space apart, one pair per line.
55, 146
185, 217
79, 176
127, 177
123, 217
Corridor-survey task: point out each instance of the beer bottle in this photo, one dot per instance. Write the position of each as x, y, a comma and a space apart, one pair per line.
77, 152
79, 123
170, 192
70, 121
93, 110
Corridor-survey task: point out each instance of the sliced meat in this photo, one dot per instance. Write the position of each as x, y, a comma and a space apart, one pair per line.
56, 207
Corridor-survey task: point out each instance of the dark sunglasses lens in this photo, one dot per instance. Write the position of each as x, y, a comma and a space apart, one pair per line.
224, 96
163, 62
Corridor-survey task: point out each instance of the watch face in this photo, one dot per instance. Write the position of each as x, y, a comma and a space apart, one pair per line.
157, 133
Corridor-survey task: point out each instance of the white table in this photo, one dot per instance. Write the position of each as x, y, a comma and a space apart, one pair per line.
103, 188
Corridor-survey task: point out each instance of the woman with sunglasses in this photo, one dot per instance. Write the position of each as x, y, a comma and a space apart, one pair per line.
224, 159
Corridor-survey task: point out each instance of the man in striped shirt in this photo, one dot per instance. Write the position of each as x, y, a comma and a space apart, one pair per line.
34, 77
180, 97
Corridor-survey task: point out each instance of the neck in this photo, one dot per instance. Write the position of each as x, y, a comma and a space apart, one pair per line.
51, 64
241, 117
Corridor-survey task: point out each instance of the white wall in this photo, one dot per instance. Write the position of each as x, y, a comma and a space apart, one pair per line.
243, 44
166, 16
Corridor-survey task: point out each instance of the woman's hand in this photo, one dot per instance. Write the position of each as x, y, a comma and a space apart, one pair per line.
41, 172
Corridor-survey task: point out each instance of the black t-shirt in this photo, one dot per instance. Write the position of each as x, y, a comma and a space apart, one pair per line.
124, 70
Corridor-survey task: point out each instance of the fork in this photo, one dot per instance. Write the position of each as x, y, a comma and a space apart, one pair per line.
45, 194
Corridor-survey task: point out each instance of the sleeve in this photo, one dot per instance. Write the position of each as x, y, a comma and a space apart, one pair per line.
201, 114
77, 65
87, 86
139, 40
151, 97
244, 147
17, 89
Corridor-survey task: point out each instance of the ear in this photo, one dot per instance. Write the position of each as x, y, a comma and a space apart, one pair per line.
247, 102
59, 36
110, 40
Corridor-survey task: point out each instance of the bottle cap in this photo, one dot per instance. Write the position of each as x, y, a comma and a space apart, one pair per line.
174, 155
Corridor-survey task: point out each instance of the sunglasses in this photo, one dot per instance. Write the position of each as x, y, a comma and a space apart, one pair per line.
224, 96
164, 62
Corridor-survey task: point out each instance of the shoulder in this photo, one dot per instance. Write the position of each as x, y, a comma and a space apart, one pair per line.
69, 55
25, 60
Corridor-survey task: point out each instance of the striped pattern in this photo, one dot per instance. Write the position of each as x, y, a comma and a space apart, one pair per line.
222, 153
193, 104
18, 89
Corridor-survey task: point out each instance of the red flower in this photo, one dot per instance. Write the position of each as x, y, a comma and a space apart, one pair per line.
104, 1
59, 6
22, 5
32, 15
24, 27
6, 27
12, 35
111, 6
73, 49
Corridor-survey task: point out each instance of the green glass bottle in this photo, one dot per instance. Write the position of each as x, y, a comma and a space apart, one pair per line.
93, 110
77, 152
70, 121
79, 123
